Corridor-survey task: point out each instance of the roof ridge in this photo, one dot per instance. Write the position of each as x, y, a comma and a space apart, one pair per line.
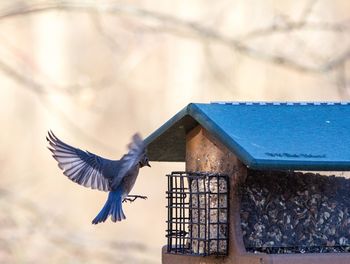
282, 102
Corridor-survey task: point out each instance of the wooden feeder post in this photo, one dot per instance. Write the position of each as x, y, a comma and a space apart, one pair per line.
205, 153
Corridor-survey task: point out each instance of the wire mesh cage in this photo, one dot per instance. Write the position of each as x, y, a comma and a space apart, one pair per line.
197, 213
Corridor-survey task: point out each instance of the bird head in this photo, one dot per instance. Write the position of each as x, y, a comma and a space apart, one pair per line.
144, 161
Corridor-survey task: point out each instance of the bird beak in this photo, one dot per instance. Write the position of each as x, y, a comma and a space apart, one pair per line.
148, 164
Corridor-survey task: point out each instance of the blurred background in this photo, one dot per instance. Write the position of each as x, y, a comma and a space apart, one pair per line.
95, 72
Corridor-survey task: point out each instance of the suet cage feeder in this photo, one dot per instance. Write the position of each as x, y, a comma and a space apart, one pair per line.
197, 214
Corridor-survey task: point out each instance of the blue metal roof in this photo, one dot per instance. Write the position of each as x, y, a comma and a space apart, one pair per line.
296, 136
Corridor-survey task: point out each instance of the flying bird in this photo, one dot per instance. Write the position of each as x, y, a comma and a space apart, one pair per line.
114, 176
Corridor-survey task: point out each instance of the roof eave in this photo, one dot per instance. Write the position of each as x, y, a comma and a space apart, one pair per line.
167, 125
168, 142
263, 164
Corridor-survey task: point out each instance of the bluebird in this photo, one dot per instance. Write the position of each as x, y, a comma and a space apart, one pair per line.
114, 176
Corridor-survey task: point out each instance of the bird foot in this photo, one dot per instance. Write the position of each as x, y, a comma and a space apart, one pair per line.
132, 198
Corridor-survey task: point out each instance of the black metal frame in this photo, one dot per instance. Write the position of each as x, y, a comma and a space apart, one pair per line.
185, 215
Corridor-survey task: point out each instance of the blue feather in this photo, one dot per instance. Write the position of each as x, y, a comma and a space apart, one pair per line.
113, 207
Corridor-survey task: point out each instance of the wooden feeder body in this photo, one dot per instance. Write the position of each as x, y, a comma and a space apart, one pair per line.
205, 151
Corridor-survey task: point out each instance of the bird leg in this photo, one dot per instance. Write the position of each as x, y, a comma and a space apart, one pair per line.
132, 198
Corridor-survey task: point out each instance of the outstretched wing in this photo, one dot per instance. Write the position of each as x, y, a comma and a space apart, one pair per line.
82, 167
137, 149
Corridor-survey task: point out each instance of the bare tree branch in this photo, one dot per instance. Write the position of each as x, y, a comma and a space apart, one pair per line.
22, 79
307, 11
294, 26
172, 24
39, 90
337, 62
341, 81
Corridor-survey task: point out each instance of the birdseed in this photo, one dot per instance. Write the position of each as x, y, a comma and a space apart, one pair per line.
295, 212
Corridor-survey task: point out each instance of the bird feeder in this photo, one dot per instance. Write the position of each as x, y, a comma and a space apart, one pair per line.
263, 183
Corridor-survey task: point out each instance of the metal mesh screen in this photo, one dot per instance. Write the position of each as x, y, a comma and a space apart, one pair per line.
197, 213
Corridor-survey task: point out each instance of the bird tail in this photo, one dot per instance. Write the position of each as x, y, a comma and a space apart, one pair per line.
113, 207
